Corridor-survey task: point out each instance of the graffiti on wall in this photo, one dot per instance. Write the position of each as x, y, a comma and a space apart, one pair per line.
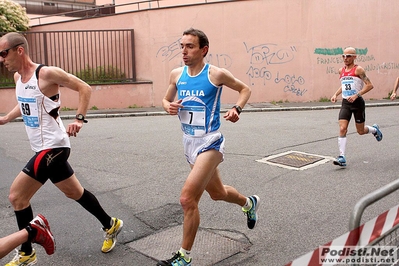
266, 63
333, 56
170, 51
264, 59
291, 84
173, 50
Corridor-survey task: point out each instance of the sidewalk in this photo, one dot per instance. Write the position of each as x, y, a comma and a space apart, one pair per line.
252, 107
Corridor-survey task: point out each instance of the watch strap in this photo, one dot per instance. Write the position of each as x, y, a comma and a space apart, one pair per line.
238, 108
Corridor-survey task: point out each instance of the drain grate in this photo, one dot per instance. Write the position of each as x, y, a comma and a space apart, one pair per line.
295, 160
211, 246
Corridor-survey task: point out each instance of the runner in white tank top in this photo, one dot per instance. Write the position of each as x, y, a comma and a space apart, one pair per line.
354, 84
37, 91
41, 115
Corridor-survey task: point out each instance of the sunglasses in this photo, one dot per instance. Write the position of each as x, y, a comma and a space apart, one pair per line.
4, 53
347, 55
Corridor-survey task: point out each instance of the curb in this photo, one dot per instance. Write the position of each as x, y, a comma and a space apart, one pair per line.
224, 109
249, 109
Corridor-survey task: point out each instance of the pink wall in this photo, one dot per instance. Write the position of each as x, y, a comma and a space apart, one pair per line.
115, 96
283, 49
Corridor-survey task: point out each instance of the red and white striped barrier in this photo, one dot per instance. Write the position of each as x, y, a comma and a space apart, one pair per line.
360, 237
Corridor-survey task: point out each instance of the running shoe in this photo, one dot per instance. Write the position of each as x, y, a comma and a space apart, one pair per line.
341, 161
111, 234
252, 216
176, 260
21, 259
44, 237
378, 134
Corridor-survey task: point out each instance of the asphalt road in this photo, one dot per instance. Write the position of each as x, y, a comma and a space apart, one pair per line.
135, 166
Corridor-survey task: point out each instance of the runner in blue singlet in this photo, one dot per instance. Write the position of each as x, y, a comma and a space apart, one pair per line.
198, 87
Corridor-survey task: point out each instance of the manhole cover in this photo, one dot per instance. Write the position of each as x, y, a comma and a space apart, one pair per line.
295, 160
210, 246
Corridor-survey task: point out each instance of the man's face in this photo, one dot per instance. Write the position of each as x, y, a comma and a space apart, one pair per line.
349, 57
8, 55
192, 53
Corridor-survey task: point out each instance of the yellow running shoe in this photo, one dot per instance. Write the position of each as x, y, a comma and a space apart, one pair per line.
21, 260
111, 234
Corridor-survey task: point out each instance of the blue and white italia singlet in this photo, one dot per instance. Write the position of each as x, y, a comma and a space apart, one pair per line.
201, 103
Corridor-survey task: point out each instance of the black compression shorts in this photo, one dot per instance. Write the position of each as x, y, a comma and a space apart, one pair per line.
357, 108
49, 164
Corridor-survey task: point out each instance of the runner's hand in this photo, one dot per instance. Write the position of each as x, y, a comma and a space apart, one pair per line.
174, 107
232, 115
74, 128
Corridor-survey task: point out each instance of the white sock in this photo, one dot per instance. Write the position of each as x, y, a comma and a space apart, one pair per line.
186, 253
248, 205
372, 130
342, 145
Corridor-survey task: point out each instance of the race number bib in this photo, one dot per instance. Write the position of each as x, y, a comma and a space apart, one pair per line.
192, 119
29, 111
348, 88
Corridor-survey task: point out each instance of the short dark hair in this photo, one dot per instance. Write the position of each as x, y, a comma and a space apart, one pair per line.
15, 38
202, 38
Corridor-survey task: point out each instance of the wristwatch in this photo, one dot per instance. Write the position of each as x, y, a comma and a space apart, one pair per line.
81, 118
238, 108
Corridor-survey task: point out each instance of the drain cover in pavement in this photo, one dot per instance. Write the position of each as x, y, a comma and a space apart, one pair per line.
210, 247
295, 160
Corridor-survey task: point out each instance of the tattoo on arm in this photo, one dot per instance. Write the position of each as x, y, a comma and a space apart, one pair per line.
365, 79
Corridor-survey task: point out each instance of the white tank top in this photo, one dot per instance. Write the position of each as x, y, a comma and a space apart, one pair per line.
41, 116
350, 82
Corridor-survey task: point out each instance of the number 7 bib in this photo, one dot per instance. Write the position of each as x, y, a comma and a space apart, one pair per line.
192, 119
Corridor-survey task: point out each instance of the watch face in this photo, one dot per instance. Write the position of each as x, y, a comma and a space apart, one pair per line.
81, 117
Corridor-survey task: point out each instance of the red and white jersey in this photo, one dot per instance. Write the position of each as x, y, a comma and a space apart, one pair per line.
350, 82
41, 116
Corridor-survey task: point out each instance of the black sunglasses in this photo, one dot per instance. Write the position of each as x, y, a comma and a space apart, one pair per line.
4, 53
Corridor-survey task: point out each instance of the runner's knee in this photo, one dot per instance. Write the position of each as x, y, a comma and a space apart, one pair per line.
343, 130
188, 203
17, 201
73, 194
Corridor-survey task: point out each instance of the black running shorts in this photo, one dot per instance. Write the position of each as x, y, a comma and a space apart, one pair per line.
49, 164
357, 108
